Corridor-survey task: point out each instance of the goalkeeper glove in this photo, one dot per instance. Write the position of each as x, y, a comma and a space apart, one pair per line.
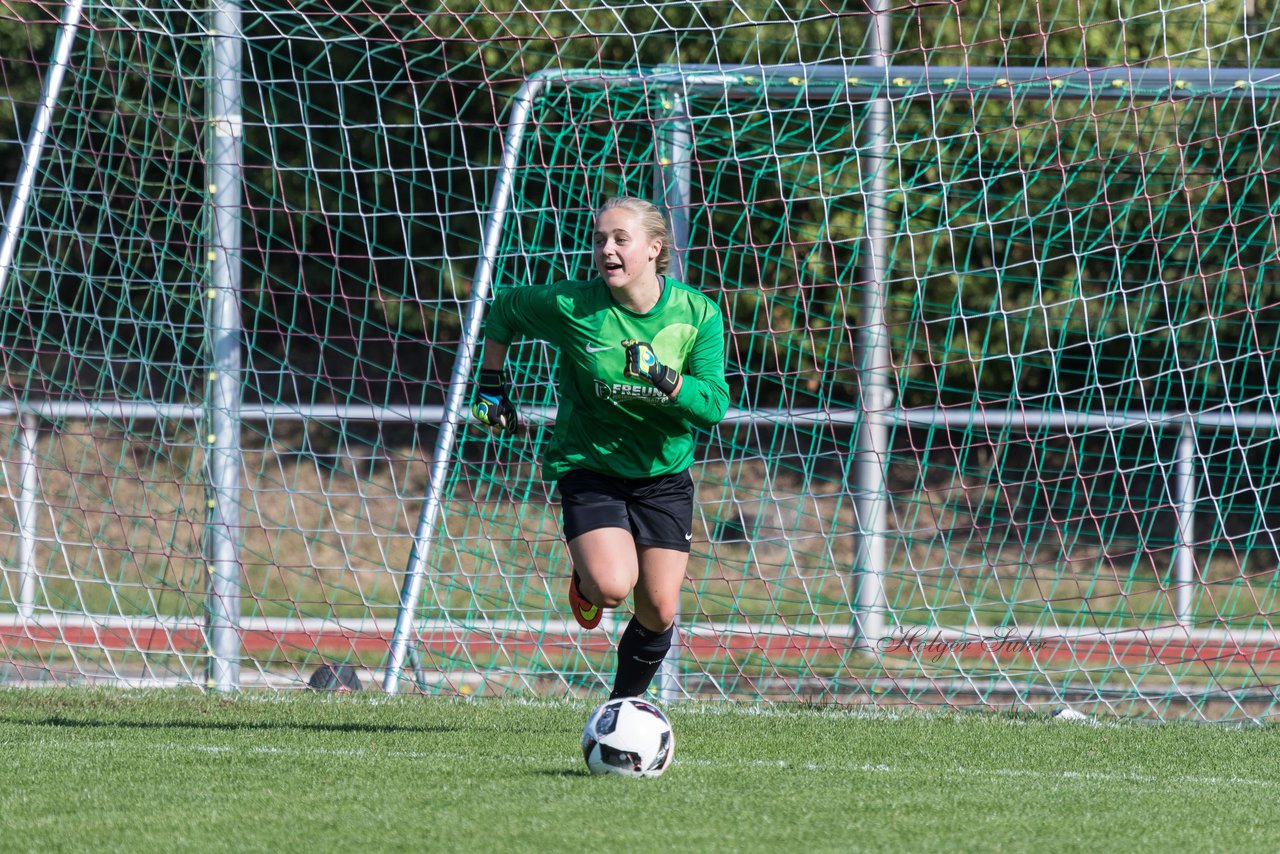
492, 406
642, 363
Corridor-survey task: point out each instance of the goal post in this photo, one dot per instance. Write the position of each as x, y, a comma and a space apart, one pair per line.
224, 313
16, 213
671, 90
224, 317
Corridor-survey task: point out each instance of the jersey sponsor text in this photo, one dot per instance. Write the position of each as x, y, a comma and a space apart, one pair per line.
622, 391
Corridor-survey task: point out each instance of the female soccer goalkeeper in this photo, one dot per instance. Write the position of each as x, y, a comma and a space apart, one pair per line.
642, 363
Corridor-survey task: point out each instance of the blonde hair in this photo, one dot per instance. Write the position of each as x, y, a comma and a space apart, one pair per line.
651, 220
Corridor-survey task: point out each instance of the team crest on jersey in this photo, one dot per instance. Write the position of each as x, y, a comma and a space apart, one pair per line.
626, 391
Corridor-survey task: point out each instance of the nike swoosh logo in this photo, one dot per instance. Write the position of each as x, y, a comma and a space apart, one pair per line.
689, 536
591, 349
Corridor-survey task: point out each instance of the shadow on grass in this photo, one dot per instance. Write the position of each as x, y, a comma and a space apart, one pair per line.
223, 726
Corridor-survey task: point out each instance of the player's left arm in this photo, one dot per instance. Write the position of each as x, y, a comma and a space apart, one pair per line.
703, 394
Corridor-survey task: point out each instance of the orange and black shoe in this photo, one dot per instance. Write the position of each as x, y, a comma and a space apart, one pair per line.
587, 615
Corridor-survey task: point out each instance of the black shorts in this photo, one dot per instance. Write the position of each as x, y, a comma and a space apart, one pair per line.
658, 511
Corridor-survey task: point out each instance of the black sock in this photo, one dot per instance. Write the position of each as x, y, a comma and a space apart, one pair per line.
640, 654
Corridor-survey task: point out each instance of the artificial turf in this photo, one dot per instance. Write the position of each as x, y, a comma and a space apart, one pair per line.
113, 770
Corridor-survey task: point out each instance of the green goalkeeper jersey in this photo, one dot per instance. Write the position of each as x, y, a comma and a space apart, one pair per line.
607, 422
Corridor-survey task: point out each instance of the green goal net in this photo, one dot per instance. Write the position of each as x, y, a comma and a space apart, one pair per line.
1002, 299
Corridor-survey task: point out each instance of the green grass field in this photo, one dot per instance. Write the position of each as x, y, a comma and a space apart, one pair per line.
139, 771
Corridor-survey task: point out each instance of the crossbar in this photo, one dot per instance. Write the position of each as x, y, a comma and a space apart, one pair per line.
896, 82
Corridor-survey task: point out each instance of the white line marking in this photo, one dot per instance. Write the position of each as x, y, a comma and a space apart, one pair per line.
59, 743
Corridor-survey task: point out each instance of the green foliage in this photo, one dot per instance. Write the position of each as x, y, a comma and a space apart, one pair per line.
372, 137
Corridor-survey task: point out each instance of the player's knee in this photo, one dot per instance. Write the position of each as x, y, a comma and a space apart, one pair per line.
607, 593
657, 617
607, 601
666, 618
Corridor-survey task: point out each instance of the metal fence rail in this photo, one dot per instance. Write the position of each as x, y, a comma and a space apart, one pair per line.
1183, 485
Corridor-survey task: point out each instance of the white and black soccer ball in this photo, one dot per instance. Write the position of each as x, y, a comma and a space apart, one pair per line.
628, 736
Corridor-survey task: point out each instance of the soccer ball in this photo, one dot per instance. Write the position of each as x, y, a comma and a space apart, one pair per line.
630, 737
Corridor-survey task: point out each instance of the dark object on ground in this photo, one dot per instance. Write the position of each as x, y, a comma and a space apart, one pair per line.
335, 677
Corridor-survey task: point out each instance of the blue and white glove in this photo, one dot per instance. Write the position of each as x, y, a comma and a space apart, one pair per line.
643, 364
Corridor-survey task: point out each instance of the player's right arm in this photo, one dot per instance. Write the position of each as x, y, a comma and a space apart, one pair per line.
514, 313
491, 404
525, 312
